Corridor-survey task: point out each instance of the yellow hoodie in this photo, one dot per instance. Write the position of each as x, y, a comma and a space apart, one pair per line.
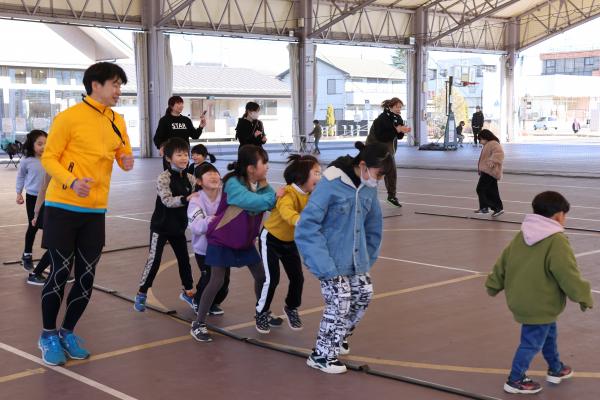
83, 144
284, 217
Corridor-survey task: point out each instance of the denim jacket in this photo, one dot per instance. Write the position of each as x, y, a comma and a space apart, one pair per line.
340, 229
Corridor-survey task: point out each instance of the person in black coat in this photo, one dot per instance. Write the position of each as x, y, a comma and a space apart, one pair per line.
249, 129
388, 128
476, 124
173, 124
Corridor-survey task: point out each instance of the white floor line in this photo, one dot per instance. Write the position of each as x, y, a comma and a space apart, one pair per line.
587, 253
108, 216
431, 265
502, 182
477, 230
133, 219
73, 375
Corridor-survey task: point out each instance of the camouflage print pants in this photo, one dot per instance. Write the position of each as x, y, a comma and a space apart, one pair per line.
346, 301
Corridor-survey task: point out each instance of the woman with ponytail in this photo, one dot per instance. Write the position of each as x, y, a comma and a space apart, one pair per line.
232, 233
489, 168
173, 124
339, 235
388, 128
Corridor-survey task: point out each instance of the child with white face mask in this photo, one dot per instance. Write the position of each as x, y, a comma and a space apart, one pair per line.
338, 236
249, 129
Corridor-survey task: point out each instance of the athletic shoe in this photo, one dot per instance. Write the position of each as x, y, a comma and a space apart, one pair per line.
189, 300
27, 261
52, 351
393, 200
344, 348
200, 332
262, 322
330, 366
275, 322
565, 372
140, 302
523, 386
497, 213
482, 211
215, 310
293, 318
71, 345
37, 280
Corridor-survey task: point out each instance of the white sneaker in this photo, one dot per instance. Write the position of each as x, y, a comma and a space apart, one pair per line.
330, 366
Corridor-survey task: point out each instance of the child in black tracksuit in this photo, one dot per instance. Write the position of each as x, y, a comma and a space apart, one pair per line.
169, 222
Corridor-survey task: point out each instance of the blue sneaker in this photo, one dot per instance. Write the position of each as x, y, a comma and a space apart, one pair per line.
70, 344
188, 299
52, 351
140, 302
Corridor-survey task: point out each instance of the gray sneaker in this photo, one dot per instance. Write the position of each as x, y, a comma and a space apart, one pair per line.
200, 332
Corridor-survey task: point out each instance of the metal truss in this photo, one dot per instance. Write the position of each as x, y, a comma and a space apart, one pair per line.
466, 20
105, 13
350, 21
261, 17
483, 34
553, 17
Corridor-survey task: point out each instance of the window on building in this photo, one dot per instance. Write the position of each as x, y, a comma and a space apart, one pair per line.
338, 113
579, 66
268, 107
549, 67
560, 67
443, 72
589, 65
331, 86
31, 109
432, 74
39, 75
78, 76
569, 65
63, 77
398, 85
18, 75
64, 99
479, 72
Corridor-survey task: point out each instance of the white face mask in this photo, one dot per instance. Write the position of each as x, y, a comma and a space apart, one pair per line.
371, 182
253, 114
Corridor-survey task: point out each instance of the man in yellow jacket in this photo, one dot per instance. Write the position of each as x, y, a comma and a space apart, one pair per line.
83, 143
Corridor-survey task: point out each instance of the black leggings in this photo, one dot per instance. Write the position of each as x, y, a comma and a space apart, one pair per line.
217, 277
74, 240
205, 271
31, 230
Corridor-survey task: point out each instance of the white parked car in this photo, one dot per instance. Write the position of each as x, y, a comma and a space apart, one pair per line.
546, 123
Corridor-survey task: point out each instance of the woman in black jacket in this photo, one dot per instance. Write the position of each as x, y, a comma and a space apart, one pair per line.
173, 124
249, 129
388, 128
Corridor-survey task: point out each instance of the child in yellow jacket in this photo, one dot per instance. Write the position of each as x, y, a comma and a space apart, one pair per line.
277, 237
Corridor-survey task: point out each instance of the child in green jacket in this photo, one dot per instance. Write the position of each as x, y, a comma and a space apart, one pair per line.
538, 271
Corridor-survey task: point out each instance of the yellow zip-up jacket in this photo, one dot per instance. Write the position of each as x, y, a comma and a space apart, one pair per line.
83, 144
284, 217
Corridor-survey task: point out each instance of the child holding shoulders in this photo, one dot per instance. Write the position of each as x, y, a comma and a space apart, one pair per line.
339, 235
232, 234
277, 238
201, 211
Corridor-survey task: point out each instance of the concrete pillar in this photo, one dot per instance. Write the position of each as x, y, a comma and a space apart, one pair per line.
510, 119
418, 72
306, 70
159, 85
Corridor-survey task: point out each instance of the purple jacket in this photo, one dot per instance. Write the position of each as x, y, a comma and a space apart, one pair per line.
238, 219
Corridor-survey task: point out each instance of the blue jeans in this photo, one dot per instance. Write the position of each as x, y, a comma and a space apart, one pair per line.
533, 339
